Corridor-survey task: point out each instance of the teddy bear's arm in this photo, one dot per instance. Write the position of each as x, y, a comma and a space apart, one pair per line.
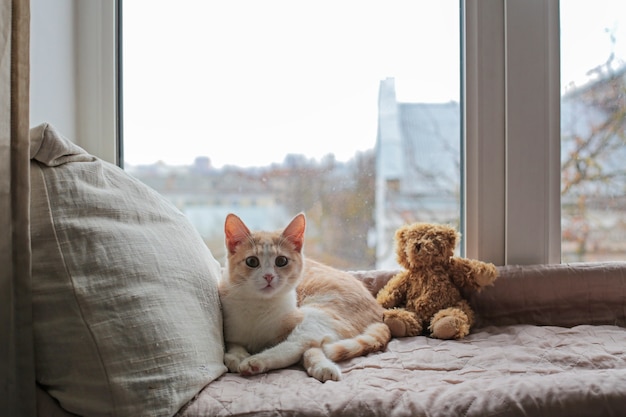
471, 274
393, 293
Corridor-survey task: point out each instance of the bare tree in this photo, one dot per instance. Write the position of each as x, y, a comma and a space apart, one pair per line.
593, 169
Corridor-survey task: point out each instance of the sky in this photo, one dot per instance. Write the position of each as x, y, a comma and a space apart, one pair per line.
245, 82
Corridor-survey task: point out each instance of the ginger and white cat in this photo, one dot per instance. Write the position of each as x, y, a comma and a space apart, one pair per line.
280, 309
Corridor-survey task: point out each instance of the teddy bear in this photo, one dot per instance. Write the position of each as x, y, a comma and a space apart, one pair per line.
431, 291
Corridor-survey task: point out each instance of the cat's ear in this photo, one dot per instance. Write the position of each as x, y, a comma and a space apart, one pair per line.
236, 232
294, 232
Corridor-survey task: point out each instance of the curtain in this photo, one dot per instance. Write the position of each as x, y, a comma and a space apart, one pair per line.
17, 374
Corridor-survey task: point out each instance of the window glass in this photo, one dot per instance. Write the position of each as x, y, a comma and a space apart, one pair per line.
593, 121
348, 111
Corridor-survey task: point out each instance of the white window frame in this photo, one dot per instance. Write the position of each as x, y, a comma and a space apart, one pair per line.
98, 124
511, 119
512, 131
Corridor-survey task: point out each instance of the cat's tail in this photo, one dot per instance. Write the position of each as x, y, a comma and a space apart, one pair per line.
373, 339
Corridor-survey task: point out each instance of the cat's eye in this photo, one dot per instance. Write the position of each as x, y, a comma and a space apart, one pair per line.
252, 261
281, 261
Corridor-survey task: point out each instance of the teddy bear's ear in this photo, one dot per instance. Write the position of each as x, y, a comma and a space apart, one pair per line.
399, 235
455, 236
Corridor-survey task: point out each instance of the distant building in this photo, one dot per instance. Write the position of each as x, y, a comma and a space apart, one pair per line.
418, 177
417, 167
206, 196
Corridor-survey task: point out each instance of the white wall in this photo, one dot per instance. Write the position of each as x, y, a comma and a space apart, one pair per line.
73, 76
53, 65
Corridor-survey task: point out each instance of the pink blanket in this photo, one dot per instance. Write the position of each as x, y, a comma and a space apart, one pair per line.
514, 370
550, 341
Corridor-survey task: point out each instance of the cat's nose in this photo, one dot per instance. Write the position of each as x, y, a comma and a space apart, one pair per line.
268, 277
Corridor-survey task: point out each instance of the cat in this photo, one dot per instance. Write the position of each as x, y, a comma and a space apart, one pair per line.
281, 309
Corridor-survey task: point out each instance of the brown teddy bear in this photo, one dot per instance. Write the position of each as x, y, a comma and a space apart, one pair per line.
431, 291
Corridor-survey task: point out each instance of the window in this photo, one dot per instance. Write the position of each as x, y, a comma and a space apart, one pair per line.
593, 123
349, 111
511, 126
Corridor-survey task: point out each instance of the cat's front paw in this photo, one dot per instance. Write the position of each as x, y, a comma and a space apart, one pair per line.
233, 358
232, 362
252, 366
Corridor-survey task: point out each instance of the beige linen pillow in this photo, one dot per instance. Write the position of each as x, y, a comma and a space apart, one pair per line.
127, 319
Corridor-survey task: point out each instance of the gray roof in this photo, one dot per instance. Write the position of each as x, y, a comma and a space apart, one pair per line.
431, 146
418, 143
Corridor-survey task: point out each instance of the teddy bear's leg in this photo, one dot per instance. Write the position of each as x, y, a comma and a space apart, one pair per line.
402, 323
453, 322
